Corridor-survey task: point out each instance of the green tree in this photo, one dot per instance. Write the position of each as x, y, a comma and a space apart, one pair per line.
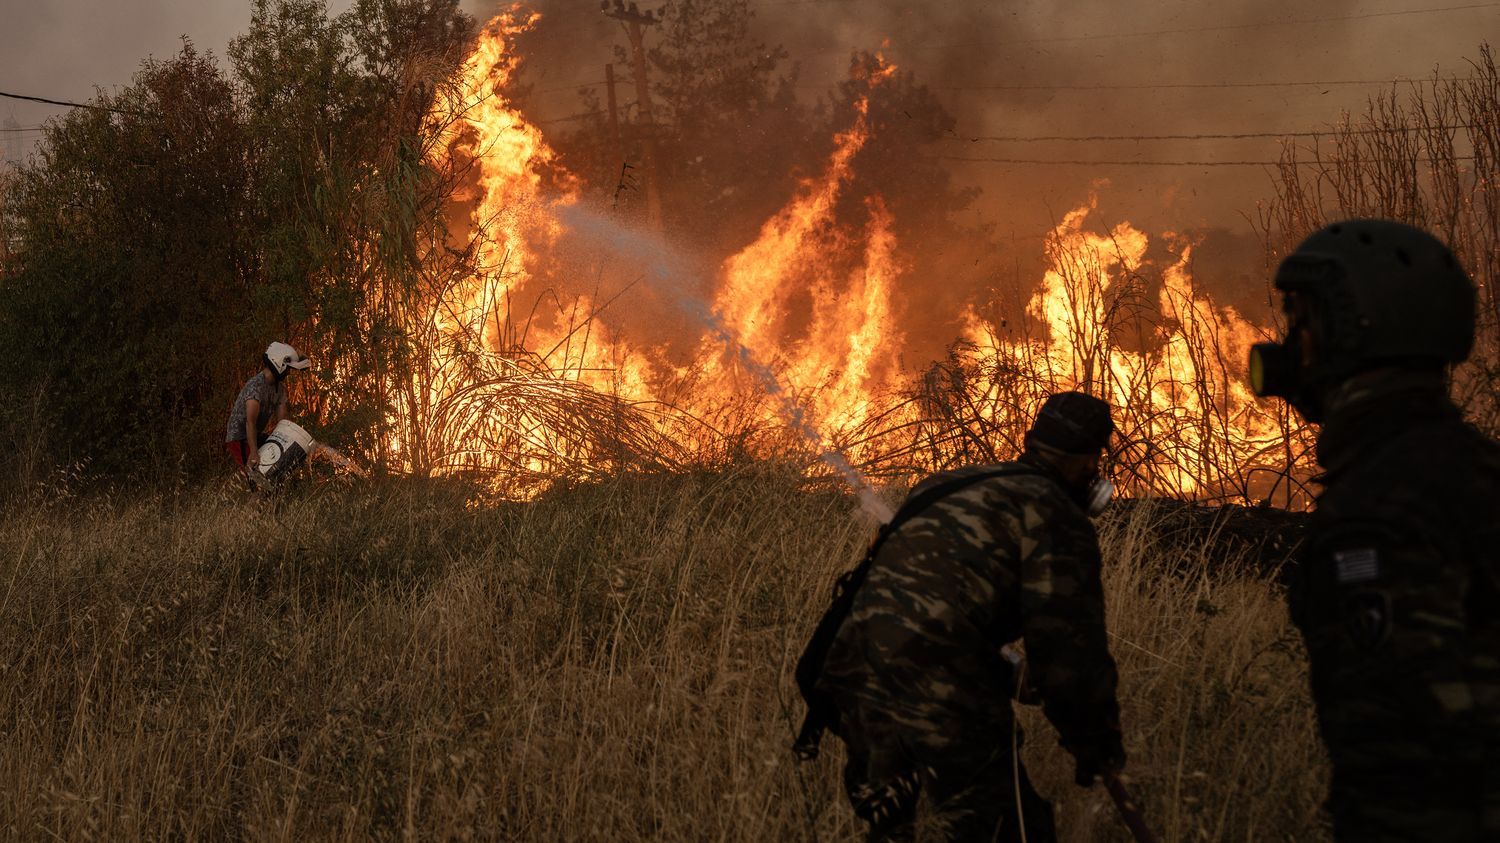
733, 139
338, 132
949, 258
167, 234
126, 295
731, 136
736, 136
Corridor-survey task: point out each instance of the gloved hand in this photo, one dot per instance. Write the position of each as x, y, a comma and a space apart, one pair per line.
1096, 759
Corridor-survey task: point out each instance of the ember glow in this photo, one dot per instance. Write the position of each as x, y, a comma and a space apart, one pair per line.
833, 335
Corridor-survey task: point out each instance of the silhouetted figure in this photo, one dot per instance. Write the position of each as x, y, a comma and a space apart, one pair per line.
915, 681
1396, 592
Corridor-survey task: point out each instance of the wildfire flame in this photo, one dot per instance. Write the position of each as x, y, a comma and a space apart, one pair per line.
816, 298
1182, 392
848, 352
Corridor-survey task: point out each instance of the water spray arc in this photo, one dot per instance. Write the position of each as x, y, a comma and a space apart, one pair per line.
671, 276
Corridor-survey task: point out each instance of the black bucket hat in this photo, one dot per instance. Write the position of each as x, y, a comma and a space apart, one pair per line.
1073, 423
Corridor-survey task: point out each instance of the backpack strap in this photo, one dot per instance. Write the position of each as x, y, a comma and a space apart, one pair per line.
821, 713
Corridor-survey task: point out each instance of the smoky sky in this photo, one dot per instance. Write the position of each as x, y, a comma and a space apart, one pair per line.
977, 55
981, 57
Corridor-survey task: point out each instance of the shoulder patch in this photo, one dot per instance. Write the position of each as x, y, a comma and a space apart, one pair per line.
1356, 566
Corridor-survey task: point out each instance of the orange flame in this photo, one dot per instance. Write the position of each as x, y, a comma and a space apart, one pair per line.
848, 352
1184, 392
815, 297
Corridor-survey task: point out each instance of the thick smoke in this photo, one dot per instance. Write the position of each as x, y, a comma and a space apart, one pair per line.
980, 57
1046, 69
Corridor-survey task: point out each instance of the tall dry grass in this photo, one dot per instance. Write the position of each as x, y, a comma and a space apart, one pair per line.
609, 662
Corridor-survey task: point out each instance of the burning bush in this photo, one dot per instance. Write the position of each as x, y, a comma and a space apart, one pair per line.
812, 308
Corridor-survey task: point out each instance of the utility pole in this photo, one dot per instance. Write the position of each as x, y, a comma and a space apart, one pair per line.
634, 19
614, 115
4, 224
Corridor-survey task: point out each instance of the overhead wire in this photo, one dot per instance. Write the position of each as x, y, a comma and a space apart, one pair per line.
573, 87
1139, 163
1229, 27
1159, 86
583, 115
68, 104
1062, 87
1207, 136
1098, 37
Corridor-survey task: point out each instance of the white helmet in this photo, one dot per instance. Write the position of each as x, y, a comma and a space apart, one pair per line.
281, 357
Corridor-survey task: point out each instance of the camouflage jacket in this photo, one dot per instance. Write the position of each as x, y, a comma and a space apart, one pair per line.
1398, 590
1007, 558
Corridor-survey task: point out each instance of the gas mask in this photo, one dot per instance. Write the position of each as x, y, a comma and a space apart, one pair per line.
1093, 493
1277, 370
1100, 490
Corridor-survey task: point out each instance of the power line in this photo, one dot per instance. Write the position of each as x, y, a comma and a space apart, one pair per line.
1155, 86
75, 104
573, 87
1207, 136
1109, 36
571, 117
1138, 163
1080, 163
1187, 85
1119, 35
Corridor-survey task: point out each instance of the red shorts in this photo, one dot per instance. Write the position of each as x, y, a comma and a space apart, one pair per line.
237, 452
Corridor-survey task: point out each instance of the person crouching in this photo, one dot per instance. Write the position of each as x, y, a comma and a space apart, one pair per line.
916, 672
262, 403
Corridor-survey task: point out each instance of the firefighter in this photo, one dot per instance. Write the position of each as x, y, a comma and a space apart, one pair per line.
1396, 591
262, 403
922, 691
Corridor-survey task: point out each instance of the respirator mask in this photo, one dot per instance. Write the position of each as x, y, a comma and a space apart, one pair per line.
1276, 371
1290, 369
1099, 493
1276, 368
1098, 490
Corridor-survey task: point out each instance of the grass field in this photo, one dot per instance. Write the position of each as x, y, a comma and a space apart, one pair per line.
610, 662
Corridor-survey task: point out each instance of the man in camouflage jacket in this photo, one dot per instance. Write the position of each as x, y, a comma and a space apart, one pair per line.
921, 685
1396, 590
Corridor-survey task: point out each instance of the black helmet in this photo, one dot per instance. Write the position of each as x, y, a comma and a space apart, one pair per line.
1073, 423
1369, 293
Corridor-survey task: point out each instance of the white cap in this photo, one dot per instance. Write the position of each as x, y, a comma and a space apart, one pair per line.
282, 357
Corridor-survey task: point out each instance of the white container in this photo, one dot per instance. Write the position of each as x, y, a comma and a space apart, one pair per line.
285, 449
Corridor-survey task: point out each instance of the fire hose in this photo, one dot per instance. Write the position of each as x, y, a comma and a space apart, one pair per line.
1130, 812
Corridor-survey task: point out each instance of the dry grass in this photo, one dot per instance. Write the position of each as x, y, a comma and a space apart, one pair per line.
610, 662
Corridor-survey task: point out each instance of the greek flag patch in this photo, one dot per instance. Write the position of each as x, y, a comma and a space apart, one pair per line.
1355, 566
